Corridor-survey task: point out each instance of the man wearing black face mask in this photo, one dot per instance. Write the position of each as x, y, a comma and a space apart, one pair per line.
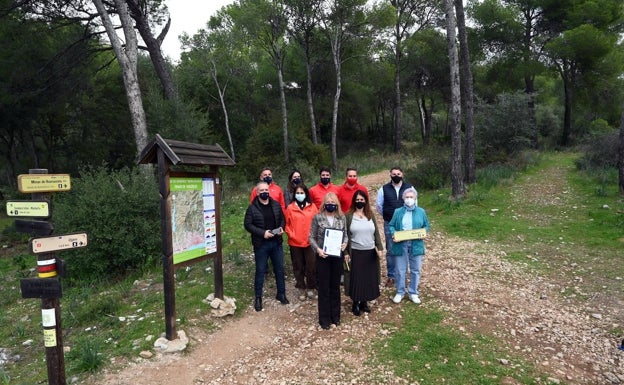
389, 199
324, 186
275, 191
265, 221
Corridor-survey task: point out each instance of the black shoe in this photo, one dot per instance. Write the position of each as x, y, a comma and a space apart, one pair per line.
364, 307
356, 309
325, 327
258, 304
282, 298
336, 322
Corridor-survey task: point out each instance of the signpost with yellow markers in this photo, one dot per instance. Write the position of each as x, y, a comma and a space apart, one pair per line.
47, 284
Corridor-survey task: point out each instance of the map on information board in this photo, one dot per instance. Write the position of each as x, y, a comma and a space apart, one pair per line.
193, 217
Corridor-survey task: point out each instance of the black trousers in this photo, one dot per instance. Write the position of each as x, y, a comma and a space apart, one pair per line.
328, 272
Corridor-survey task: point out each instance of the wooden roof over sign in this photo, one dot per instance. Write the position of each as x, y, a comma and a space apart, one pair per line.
185, 153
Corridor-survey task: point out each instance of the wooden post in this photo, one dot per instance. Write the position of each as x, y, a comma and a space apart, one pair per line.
218, 259
50, 307
167, 247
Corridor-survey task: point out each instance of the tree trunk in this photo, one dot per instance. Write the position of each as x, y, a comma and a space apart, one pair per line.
127, 57
457, 182
226, 117
153, 47
336, 48
334, 129
280, 77
426, 120
396, 121
621, 153
567, 114
310, 100
529, 82
396, 115
467, 95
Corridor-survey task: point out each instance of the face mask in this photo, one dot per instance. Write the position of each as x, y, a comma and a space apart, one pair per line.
396, 179
352, 180
267, 179
296, 181
360, 205
330, 207
300, 197
264, 195
409, 202
325, 181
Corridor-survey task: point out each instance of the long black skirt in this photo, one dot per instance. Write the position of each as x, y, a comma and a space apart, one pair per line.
364, 275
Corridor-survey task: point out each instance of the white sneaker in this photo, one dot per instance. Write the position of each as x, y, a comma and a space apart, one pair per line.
302, 296
414, 298
311, 294
397, 298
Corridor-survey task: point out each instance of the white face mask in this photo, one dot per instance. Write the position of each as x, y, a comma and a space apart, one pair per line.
409, 202
300, 197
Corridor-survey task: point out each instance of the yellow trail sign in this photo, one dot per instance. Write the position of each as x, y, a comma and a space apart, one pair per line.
34, 183
35, 209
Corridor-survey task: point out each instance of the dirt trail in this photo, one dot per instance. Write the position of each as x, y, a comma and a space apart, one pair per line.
485, 294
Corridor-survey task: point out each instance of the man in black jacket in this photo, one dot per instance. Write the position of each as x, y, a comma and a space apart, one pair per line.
265, 221
389, 198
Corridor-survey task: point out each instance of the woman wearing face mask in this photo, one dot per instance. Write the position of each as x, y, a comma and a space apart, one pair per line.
329, 266
294, 179
299, 215
409, 252
365, 249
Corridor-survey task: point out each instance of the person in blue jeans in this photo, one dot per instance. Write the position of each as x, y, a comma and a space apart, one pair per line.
389, 198
408, 253
264, 219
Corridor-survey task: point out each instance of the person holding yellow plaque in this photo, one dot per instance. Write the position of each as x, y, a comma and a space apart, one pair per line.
408, 245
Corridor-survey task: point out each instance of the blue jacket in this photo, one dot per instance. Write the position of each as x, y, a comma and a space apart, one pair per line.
419, 220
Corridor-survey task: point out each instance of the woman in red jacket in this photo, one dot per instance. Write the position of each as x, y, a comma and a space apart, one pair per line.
299, 215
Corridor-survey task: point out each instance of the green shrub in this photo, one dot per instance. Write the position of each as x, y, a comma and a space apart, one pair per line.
265, 147
434, 170
502, 128
599, 152
119, 211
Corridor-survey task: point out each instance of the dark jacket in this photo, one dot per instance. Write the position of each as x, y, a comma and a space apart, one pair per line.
254, 221
391, 202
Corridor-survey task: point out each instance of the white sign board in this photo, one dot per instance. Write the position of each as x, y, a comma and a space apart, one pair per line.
59, 242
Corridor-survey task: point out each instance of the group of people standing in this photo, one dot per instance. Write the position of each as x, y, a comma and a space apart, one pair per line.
332, 229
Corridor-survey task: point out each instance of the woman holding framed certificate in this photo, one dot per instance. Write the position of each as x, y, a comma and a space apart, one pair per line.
328, 238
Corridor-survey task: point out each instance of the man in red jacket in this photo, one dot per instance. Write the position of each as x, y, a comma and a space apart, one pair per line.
275, 191
350, 186
319, 190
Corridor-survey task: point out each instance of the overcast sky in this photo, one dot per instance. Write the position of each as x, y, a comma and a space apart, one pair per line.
188, 16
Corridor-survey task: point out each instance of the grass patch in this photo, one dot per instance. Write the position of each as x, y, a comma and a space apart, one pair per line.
429, 352
560, 221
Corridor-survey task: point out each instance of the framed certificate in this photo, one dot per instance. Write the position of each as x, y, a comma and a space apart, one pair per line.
332, 242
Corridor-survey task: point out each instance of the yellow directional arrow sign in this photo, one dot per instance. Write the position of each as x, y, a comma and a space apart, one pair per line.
34, 209
59, 242
34, 183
